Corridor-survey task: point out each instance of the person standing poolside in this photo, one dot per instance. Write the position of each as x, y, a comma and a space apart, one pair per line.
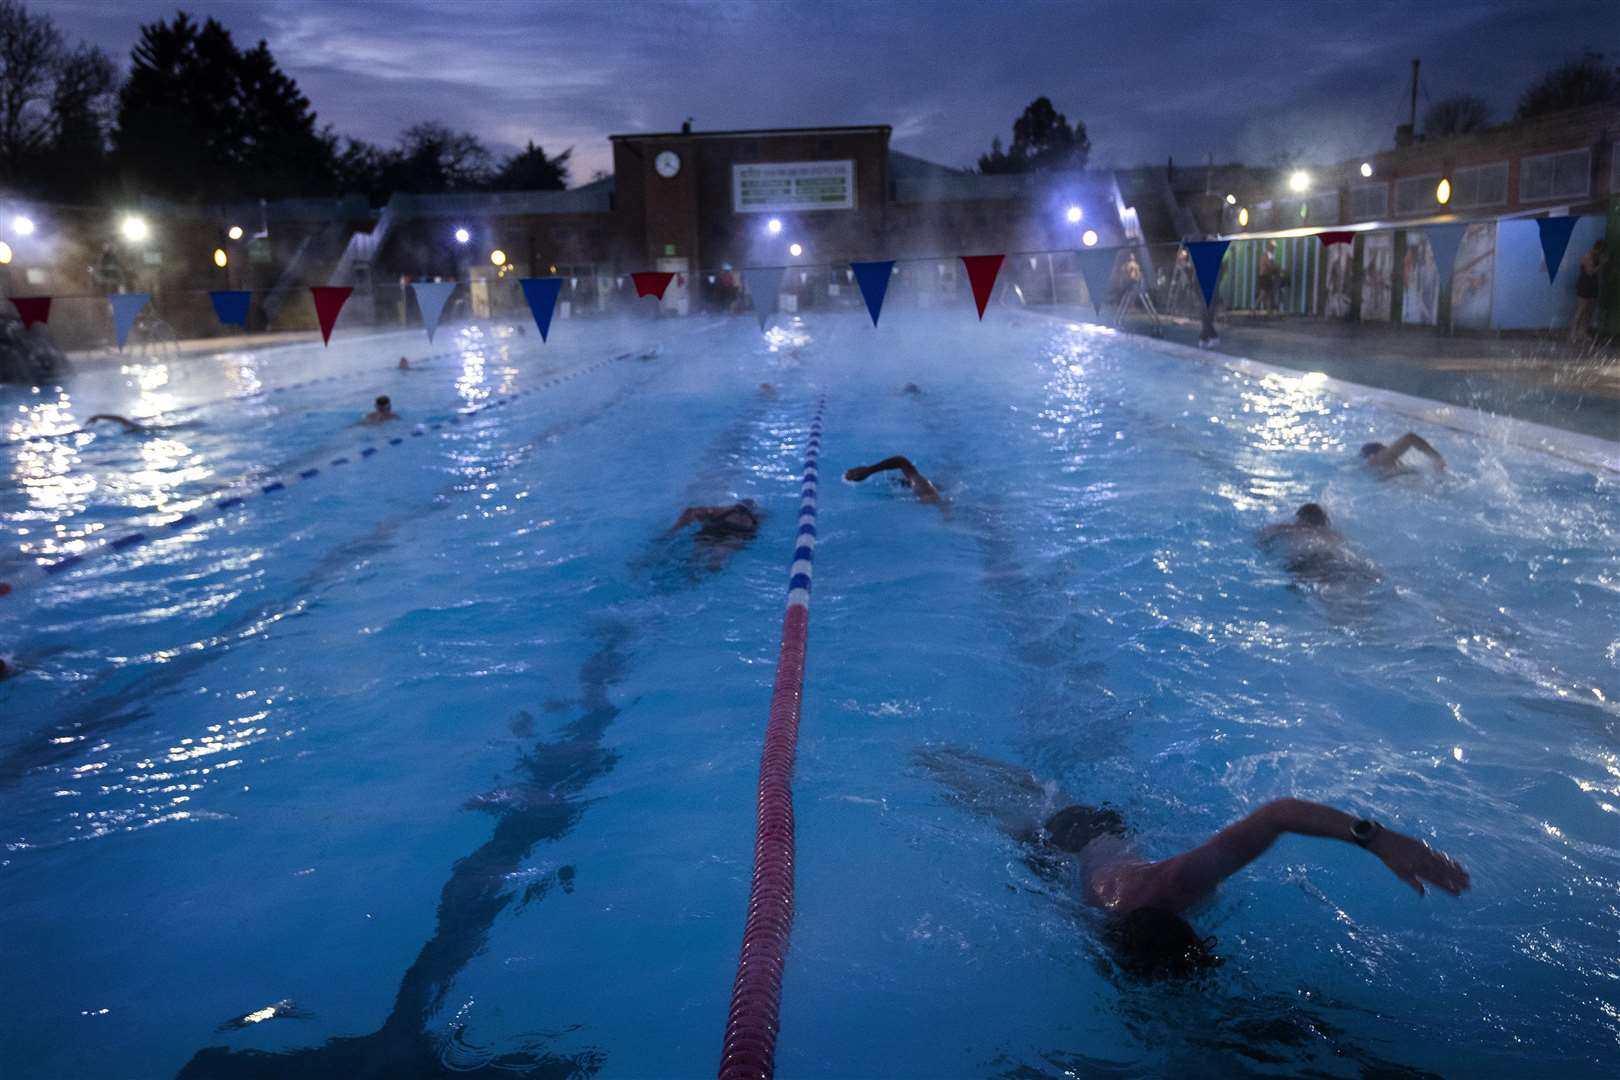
909, 476
1586, 291
1386, 460
383, 413
1144, 899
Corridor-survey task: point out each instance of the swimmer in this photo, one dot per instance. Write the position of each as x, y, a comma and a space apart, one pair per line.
1143, 899
767, 391
7, 668
1312, 548
382, 414
1386, 460
404, 364
909, 476
911, 388
720, 523
130, 426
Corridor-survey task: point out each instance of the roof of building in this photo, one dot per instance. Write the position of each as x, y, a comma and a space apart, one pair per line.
593, 198
868, 129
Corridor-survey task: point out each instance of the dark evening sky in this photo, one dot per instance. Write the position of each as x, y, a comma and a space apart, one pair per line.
1244, 80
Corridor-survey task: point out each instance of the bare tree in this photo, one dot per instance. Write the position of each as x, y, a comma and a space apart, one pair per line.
30, 53
1456, 116
1587, 81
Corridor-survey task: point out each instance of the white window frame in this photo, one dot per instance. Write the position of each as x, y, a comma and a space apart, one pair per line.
1558, 196
1458, 174
1380, 186
1432, 180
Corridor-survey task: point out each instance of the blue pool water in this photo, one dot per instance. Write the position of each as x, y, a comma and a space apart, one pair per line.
443, 760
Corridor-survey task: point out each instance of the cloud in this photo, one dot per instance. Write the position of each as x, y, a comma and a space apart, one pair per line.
1244, 78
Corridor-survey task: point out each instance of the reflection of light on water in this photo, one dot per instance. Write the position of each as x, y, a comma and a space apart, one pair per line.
791, 336
150, 380
470, 383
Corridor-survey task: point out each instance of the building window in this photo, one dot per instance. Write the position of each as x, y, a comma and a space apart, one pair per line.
1556, 176
1369, 202
1415, 194
1480, 185
1322, 208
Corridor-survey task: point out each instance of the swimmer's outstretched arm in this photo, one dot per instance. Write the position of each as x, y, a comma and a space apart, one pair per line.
1410, 441
919, 483
1181, 881
129, 425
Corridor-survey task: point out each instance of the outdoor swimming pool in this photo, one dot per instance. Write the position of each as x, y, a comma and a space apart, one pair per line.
442, 759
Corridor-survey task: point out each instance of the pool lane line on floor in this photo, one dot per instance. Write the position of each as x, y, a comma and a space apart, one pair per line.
229, 398
237, 495
749, 1049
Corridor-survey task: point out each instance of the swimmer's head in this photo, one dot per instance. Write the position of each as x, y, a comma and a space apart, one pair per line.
384, 405
404, 364
1073, 827
6, 669
911, 388
1369, 449
1312, 515
1154, 943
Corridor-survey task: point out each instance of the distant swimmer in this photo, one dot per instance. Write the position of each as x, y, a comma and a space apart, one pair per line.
1386, 460
383, 413
721, 523
1312, 548
909, 476
1144, 899
404, 364
911, 388
129, 425
767, 391
7, 668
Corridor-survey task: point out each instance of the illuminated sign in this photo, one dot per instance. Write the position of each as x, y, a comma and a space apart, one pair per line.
764, 188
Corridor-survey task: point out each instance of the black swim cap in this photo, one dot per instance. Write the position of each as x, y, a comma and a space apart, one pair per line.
1311, 514
1153, 943
1369, 449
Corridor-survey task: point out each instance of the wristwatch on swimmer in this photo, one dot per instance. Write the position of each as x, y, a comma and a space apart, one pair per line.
1365, 831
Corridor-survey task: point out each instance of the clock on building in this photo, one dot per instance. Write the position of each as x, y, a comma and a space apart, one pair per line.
667, 163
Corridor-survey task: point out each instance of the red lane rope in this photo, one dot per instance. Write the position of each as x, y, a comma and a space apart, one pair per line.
749, 1051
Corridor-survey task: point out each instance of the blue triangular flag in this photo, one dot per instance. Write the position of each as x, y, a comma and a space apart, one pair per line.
764, 283
873, 278
1206, 260
541, 293
1444, 240
1555, 240
430, 298
1097, 268
125, 307
231, 305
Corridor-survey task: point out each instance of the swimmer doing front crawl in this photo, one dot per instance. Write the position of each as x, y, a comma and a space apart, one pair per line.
909, 476
1145, 899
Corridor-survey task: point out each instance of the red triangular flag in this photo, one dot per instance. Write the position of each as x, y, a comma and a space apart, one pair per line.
32, 309
982, 271
652, 282
329, 300
1330, 238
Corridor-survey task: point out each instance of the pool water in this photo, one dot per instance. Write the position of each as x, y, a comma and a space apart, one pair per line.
443, 760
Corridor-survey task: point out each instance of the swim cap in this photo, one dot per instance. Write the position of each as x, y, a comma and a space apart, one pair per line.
1369, 449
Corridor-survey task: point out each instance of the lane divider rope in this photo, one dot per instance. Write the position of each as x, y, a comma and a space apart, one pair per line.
749, 1050
266, 392
235, 495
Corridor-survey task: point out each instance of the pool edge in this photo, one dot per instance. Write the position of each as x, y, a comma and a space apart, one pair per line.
1588, 451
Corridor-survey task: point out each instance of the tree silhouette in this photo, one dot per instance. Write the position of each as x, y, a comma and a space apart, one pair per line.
531, 170
200, 119
1456, 116
1042, 139
1587, 81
